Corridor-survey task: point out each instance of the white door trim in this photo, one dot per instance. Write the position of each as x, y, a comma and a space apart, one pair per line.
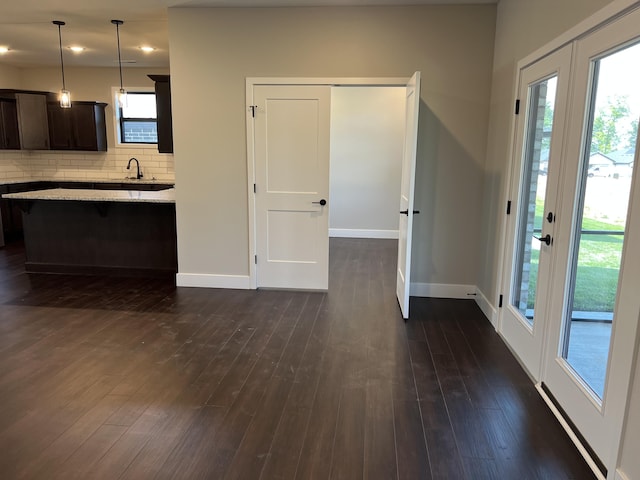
251, 82
602, 17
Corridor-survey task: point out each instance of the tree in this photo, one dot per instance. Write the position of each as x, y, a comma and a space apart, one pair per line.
547, 125
606, 137
632, 134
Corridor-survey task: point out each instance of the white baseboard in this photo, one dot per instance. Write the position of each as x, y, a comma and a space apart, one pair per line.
441, 290
362, 233
487, 308
205, 280
620, 475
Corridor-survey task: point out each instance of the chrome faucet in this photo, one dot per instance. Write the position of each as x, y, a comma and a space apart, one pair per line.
138, 172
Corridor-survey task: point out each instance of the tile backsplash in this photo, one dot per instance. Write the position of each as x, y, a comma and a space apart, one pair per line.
32, 165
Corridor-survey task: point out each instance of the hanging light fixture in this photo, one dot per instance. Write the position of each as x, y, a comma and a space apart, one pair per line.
65, 96
122, 94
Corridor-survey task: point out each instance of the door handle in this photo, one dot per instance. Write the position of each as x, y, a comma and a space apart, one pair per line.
546, 239
322, 202
406, 212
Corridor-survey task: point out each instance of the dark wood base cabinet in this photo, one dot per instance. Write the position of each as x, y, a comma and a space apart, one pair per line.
105, 238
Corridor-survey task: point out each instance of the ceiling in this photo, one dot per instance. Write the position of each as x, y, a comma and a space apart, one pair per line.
26, 28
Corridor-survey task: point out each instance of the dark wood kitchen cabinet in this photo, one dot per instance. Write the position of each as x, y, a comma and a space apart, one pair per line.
9, 136
163, 111
81, 127
32, 121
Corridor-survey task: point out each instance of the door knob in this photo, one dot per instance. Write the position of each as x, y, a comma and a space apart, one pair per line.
406, 212
546, 239
322, 202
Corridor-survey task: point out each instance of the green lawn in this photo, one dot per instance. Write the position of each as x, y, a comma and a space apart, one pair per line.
598, 267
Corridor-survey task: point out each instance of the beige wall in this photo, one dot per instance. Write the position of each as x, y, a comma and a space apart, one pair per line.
92, 84
9, 76
214, 50
367, 138
522, 26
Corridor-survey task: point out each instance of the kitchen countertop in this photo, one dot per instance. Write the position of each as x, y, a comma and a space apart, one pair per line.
143, 180
89, 195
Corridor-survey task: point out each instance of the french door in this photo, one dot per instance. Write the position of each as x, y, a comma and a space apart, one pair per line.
572, 272
540, 133
595, 304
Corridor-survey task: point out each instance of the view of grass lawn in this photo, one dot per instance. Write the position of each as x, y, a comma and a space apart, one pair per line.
598, 266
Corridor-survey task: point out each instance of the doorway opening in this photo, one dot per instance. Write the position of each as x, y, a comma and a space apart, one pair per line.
283, 193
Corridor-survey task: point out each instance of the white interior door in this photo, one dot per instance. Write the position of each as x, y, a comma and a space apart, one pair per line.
542, 97
405, 228
291, 138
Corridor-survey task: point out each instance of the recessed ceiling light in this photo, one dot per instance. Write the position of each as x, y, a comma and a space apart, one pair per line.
4, 50
147, 49
76, 49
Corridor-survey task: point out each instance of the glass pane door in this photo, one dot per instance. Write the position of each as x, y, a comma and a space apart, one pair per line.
531, 213
539, 132
601, 214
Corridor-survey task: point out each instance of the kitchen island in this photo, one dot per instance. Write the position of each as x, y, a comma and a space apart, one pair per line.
90, 231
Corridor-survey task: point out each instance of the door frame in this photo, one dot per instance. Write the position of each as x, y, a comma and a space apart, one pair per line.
251, 82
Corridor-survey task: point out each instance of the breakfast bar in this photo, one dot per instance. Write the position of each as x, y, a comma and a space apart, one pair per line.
91, 231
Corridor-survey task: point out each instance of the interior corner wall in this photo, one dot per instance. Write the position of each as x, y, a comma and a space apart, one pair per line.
367, 138
522, 26
214, 50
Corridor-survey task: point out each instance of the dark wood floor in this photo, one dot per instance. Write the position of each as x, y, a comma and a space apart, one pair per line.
135, 379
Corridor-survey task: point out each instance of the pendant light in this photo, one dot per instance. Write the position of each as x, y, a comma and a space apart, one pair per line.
122, 94
65, 96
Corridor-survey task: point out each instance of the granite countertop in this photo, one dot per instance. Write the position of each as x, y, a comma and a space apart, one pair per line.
87, 195
143, 180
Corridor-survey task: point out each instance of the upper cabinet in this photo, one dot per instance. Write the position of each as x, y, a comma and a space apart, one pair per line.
81, 127
35, 121
9, 136
32, 121
163, 109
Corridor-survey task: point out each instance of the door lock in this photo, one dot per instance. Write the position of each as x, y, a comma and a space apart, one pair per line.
322, 202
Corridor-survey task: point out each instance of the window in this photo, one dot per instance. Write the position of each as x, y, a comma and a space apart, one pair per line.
138, 119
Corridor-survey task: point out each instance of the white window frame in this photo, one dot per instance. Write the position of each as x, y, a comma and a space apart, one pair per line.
116, 119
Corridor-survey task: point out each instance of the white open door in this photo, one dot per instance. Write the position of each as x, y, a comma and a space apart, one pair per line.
403, 283
291, 138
